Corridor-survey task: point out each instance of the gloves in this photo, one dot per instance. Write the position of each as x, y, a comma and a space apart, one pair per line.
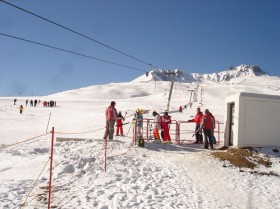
189, 120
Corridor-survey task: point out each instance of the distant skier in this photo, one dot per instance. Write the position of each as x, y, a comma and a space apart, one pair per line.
51, 103
26, 102
15, 101
139, 122
207, 125
157, 126
111, 117
31, 103
20, 109
119, 129
35, 102
197, 119
190, 104
180, 109
165, 125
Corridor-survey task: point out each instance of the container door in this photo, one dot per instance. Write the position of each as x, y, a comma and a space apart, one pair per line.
231, 132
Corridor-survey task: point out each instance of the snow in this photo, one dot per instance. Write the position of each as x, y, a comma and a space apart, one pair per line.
157, 176
233, 75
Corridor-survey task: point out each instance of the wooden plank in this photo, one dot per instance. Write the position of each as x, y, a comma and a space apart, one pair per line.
61, 139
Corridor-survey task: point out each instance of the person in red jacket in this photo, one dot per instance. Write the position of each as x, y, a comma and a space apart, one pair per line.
111, 117
165, 125
119, 128
197, 119
214, 121
208, 126
180, 109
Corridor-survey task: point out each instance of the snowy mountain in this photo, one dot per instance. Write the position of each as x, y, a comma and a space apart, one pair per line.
233, 74
242, 71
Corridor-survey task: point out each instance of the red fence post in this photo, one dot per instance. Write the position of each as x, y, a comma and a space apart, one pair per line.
135, 133
51, 161
177, 138
148, 126
105, 154
219, 140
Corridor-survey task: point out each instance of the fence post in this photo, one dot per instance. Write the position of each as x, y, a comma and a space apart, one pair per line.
178, 133
135, 133
219, 140
105, 155
51, 161
148, 125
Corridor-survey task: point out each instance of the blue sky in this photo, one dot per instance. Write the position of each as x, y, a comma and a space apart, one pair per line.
193, 35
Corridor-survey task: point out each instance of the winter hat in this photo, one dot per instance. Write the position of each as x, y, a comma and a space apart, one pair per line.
154, 113
113, 103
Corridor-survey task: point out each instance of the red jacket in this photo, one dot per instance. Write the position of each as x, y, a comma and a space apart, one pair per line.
198, 118
214, 121
111, 113
120, 121
207, 122
165, 119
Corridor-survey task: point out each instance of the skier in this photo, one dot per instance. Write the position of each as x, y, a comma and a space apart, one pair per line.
180, 109
207, 125
139, 122
119, 125
15, 101
111, 117
157, 126
197, 119
51, 103
35, 102
165, 125
190, 104
31, 103
20, 109
26, 102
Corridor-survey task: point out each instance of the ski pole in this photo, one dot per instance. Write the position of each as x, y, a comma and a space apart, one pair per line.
129, 129
123, 124
125, 115
196, 132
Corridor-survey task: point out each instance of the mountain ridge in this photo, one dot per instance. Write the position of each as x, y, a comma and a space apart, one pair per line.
233, 73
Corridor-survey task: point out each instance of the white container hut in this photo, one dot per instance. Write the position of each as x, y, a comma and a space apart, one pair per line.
252, 120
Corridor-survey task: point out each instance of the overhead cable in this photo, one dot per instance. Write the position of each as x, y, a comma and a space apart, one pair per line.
71, 52
78, 33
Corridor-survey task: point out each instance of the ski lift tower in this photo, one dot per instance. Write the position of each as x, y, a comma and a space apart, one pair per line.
173, 74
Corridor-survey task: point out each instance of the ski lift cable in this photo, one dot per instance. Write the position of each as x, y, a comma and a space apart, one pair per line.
71, 52
78, 33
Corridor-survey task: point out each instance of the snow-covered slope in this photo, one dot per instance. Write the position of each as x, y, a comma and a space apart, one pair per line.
158, 176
